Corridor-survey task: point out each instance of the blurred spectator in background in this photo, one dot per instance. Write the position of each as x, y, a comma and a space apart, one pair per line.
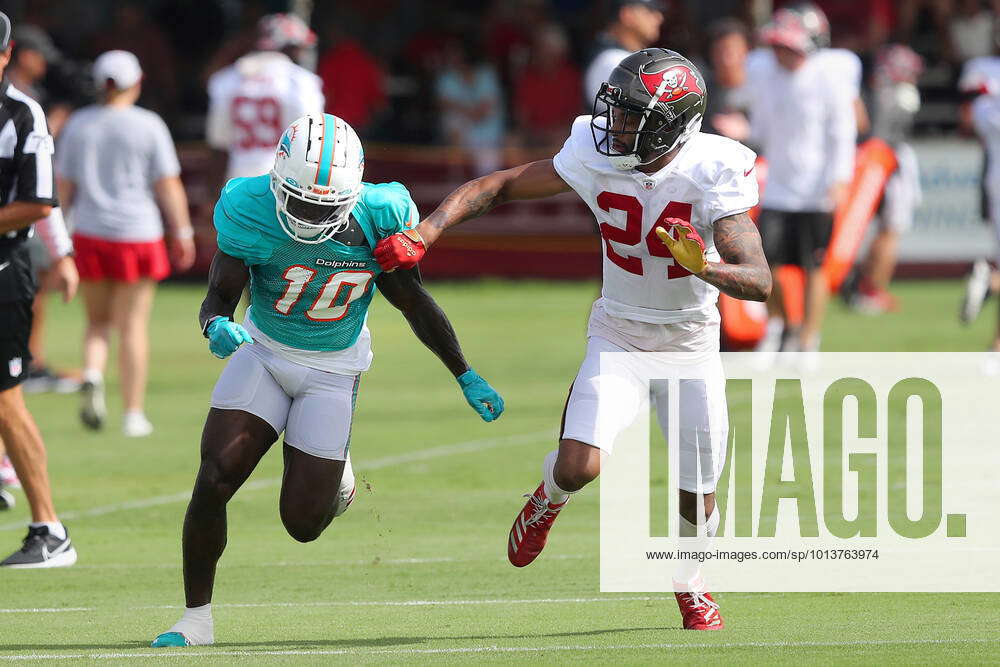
471, 103
728, 46
547, 93
860, 26
508, 35
894, 101
634, 25
352, 79
241, 41
802, 116
252, 101
49, 246
116, 162
133, 31
980, 86
971, 29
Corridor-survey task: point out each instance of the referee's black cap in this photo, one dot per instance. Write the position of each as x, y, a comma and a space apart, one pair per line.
5, 30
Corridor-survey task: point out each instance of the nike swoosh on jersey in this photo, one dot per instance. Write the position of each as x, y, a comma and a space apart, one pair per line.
747, 172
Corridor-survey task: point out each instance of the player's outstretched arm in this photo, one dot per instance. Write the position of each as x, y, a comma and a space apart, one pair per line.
226, 280
533, 180
404, 290
743, 273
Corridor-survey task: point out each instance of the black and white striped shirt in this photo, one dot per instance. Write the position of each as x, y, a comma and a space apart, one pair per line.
26, 149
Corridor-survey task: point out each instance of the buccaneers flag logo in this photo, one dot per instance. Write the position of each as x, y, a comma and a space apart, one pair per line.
679, 79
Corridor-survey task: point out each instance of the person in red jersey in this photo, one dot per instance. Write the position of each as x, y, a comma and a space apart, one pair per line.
672, 204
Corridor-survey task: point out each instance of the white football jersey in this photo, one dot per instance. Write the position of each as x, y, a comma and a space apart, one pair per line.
981, 75
709, 178
251, 102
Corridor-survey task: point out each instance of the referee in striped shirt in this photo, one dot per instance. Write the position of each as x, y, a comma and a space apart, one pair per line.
27, 194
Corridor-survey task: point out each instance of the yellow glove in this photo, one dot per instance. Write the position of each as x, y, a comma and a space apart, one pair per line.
688, 248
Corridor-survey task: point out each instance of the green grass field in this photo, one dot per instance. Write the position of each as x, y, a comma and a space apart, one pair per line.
416, 571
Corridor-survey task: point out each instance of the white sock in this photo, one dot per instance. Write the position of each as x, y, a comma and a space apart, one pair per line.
93, 375
196, 625
134, 414
56, 529
556, 495
688, 572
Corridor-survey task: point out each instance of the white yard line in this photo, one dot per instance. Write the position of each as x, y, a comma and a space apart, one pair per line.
360, 469
355, 603
202, 653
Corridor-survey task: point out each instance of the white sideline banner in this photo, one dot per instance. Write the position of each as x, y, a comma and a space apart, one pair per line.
845, 472
948, 226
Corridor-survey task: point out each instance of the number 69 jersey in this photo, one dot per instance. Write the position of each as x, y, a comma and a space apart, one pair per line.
308, 297
709, 178
251, 102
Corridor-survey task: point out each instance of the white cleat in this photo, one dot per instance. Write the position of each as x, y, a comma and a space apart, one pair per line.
347, 489
977, 288
92, 408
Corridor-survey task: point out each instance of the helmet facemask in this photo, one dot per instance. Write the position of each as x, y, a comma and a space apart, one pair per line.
312, 218
631, 135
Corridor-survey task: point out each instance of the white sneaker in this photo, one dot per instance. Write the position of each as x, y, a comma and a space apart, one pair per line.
92, 408
347, 488
135, 425
977, 288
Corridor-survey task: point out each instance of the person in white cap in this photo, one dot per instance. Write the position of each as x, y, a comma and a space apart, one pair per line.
252, 101
803, 116
119, 178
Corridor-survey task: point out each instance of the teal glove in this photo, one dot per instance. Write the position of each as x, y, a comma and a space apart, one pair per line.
483, 398
225, 336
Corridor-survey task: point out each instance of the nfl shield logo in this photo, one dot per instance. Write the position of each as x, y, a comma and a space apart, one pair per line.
649, 184
15, 367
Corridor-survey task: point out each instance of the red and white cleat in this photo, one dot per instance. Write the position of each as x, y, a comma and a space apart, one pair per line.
699, 611
531, 528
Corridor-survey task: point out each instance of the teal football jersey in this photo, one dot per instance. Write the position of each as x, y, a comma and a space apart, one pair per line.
308, 296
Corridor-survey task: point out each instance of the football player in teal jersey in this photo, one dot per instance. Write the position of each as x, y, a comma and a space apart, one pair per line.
303, 236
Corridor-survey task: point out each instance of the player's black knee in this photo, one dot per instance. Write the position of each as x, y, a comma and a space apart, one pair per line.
305, 530
214, 484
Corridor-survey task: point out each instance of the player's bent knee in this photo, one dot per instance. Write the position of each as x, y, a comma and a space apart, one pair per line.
305, 530
214, 484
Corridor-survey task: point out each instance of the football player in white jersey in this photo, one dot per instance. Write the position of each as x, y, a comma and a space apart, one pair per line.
980, 86
252, 101
672, 207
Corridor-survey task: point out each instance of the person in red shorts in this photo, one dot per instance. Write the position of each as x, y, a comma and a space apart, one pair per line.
119, 178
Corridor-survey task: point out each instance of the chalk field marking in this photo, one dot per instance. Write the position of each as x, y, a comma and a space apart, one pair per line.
360, 469
355, 603
201, 653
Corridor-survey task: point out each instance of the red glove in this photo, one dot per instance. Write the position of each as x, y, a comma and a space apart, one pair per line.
400, 251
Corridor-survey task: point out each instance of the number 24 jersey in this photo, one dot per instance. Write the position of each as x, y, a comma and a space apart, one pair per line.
711, 177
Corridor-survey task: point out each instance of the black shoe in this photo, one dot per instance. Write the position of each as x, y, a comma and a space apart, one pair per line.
42, 379
42, 549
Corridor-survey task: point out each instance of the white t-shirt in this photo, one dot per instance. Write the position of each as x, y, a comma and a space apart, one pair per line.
114, 156
804, 121
251, 102
709, 178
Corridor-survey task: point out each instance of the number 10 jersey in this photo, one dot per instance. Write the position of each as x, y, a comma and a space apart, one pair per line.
711, 177
309, 298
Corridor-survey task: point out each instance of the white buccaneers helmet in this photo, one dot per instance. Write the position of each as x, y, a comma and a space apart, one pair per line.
316, 178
